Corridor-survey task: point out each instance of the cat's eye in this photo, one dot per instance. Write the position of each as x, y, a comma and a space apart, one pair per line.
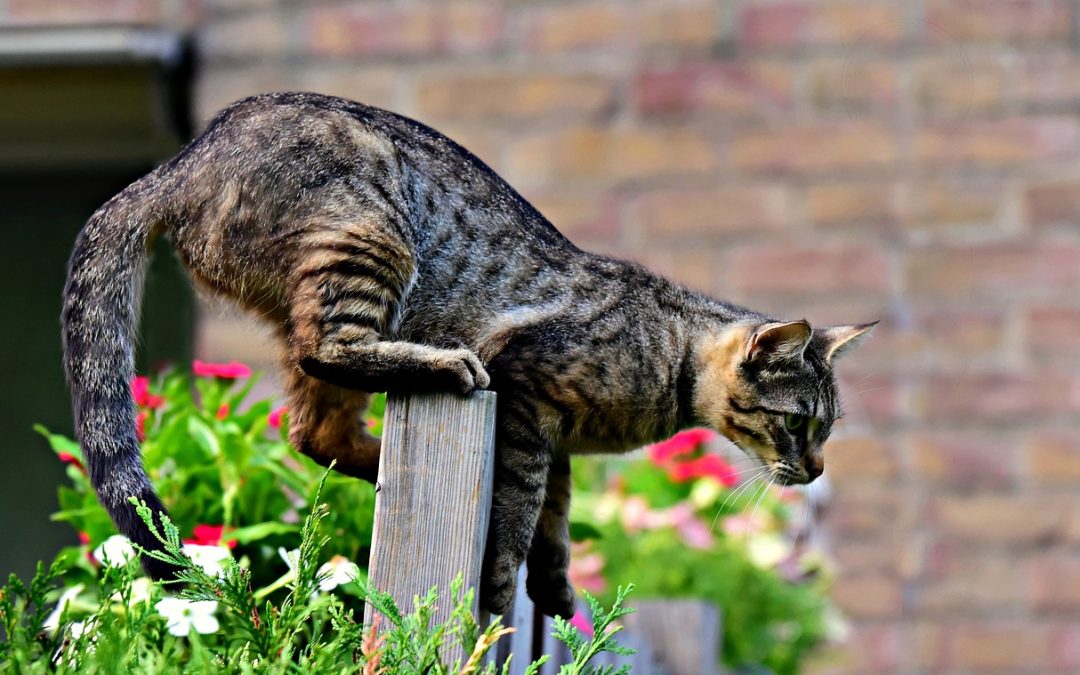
794, 422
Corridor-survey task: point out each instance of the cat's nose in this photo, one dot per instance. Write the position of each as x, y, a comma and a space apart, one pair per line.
814, 465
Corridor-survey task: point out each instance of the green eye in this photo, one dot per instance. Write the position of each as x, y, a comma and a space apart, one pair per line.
794, 422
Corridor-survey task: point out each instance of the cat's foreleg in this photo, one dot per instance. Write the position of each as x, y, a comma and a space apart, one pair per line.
549, 555
343, 298
522, 458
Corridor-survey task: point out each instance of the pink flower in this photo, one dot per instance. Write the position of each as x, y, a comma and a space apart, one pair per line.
635, 514
682, 443
274, 418
585, 569
225, 371
209, 535
711, 466
140, 390
692, 530
582, 623
740, 526
223, 411
140, 425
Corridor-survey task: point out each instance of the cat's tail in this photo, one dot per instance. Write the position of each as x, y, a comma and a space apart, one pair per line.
100, 326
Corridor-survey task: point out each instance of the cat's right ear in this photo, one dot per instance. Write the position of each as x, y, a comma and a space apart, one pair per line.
777, 342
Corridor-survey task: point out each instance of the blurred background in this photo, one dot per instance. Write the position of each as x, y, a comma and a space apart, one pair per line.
914, 161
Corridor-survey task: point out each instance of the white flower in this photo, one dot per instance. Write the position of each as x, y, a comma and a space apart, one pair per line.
140, 592
340, 570
116, 551
52, 622
766, 550
291, 558
210, 558
75, 630
183, 615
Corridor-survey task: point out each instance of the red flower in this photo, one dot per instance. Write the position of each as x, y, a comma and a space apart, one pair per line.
682, 443
711, 466
223, 411
274, 418
140, 425
140, 390
209, 535
84, 538
225, 371
68, 458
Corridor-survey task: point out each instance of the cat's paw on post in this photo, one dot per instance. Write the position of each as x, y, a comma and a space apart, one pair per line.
465, 370
497, 592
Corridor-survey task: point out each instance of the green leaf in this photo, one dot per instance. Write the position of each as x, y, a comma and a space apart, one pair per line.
60, 443
250, 533
203, 435
582, 531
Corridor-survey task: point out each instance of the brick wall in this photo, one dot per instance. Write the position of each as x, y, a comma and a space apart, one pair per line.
916, 161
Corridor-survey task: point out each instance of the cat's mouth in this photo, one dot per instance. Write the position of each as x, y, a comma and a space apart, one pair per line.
785, 474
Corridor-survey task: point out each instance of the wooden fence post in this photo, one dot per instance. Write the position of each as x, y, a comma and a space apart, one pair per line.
434, 498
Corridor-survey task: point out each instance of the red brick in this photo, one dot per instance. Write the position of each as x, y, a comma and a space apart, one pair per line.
510, 96
587, 218
868, 596
686, 214
973, 583
997, 398
576, 26
850, 203
749, 89
1055, 456
612, 155
84, 11
776, 268
1055, 583
857, 510
1049, 79
1054, 335
1054, 203
957, 87
853, 86
945, 206
391, 30
694, 267
829, 147
999, 645
248, 35
967, 334
855, 457
964, 459
989, 270
1012, 21
800, 24
688, 25
997, 143
998, 520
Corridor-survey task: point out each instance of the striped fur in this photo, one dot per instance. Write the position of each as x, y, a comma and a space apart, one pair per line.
389, 258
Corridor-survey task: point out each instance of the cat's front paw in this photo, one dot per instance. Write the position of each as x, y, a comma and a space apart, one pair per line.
552, 595
464, 369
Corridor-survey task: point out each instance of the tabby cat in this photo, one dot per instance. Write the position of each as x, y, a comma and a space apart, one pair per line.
387, 257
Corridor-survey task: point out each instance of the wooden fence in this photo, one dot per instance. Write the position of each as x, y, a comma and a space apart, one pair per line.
431, 517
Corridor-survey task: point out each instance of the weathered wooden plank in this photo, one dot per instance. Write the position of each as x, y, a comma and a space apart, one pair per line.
434, 499
684, 634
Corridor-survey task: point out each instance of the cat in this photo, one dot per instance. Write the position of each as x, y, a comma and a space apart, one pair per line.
387, 257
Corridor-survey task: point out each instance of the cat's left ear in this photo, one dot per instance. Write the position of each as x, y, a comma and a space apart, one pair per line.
841, 339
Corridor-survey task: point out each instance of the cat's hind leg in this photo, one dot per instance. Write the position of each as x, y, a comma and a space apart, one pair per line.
549, 554
522, 458
346, 292
326, 423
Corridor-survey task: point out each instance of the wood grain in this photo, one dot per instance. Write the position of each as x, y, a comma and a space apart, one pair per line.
434, 498
684, 634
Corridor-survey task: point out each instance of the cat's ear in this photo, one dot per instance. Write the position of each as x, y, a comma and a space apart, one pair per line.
773, 342
842, 339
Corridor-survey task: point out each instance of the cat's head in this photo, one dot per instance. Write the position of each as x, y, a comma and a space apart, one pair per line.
770, 388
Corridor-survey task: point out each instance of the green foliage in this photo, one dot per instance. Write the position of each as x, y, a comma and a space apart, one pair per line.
284, 600
604, 629
678, 523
